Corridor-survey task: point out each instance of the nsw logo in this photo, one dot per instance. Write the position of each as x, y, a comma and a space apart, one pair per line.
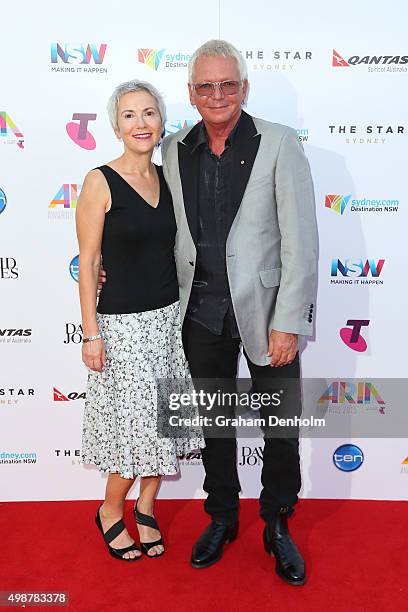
357, 270
348, 457
71, 53
78, 57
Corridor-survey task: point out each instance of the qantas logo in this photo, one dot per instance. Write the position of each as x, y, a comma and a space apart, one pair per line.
60, 397
338, 61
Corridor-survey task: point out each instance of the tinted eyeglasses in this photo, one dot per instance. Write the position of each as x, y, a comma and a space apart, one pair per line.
228, 88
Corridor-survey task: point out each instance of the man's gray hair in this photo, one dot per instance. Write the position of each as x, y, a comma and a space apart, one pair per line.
129, 87
214, 48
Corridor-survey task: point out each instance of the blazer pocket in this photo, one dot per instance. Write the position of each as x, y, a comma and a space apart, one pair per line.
271, 277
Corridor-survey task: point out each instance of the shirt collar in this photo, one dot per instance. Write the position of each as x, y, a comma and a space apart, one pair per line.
203, 140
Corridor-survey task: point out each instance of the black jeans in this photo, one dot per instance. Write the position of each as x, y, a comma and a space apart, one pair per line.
210, 357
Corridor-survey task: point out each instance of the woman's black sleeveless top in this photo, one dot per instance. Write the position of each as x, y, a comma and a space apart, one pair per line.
137, 249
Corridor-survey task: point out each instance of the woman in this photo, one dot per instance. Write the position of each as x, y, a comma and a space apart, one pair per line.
133, 337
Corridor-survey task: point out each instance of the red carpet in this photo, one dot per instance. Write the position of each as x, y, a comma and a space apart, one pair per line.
355, 551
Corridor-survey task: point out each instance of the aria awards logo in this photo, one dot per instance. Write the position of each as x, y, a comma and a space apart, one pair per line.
9, 132
63, 204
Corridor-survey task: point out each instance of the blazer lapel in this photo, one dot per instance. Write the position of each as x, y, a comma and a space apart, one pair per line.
246, 147
189, 174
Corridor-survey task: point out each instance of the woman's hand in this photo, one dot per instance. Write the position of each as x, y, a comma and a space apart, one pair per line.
94, 355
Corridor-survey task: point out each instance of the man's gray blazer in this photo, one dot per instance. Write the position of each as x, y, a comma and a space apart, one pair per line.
271, 247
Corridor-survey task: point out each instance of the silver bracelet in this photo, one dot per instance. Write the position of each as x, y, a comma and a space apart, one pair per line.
97, 337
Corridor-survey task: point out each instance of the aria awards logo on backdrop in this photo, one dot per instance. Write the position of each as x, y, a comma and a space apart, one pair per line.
345, 396
81, 57
79, 133
9, 132
374, 134
339, 203
348, 457
270, 59
373, 63
74, 267
63, 204
158, 59
404, 466
352, 337
357, 271
3, 200
8, 268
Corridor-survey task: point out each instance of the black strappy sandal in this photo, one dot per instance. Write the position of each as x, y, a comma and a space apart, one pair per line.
148, 521
111, 534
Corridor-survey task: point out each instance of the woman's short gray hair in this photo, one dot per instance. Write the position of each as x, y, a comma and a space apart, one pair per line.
218, 47
129, 87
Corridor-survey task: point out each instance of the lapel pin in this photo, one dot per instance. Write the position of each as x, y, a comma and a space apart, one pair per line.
242, 162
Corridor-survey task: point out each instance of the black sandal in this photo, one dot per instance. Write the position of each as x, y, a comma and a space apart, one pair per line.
111, 534
148, 521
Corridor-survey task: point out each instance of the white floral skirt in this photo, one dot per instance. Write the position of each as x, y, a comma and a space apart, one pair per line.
120, 425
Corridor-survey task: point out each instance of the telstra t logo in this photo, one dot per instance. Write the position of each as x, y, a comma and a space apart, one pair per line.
78, 132
352, 337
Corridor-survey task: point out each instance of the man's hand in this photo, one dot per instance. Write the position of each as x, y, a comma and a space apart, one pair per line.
101, 278
282, 348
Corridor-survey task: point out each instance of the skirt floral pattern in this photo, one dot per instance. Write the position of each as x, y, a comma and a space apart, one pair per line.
120, 425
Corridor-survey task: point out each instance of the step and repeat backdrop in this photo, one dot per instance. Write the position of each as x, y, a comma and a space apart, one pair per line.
339, 77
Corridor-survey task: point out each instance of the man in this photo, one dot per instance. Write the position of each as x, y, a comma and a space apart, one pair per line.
246, 263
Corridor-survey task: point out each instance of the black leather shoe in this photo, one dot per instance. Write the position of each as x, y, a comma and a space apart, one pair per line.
208, 548
278, 542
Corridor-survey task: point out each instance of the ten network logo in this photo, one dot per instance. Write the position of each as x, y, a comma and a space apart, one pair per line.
375, 63
79, 133
352, 337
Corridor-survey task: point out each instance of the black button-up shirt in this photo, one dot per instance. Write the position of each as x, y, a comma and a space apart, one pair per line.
210, 300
